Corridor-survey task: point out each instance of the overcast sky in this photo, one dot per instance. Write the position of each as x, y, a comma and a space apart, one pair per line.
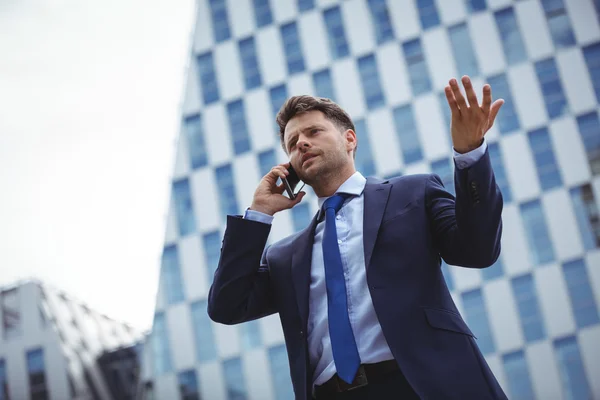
90, 95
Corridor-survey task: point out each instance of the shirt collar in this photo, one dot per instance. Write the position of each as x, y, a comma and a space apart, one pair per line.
354, 186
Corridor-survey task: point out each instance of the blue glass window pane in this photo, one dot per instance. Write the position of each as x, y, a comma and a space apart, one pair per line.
250, 335
589, 129
220, 20
234, 379
301, 216
381, 21
323, 84
250, 68
517, 375
587, 214
262, 12
580, 291
417, 67
476, 5
369, 76
572, 374
266, 161
184, 208
207, 78
558, 21
510, 36
338, 46
364, 156
3, 381
160, 345
194, 133
292, 48
188, 385
591, 54
525, 295
280, 373
540, 245
406, 130
171, 275
554, 97
203, 333
443, 168
428, 13
507, 120
212, 252
477, 319
446, 112
447, 276
278, 95
545, 162
494, 271
499, 172
464, 55
237, 127
305, 5
35, 361
226, 188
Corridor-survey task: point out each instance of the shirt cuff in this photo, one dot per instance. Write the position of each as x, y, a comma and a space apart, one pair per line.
257, 216
468, 159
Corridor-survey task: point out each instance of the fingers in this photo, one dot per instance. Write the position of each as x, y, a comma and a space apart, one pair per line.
451, 100
460, 99
487, 98
277, 172
471, 96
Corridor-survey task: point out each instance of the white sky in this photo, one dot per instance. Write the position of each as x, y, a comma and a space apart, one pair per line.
90, 95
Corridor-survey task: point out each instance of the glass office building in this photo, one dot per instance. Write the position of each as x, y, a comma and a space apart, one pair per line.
535, 312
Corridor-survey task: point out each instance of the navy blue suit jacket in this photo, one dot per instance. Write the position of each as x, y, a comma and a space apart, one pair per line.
409, 223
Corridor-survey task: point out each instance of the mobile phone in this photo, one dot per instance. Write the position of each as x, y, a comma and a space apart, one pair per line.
290, 182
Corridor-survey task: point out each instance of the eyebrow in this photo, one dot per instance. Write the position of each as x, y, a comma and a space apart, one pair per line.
308, 128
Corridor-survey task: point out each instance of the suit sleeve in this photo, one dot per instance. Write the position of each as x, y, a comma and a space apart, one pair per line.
467, 229
241, 289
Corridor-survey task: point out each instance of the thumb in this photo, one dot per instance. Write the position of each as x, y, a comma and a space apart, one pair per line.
298, 198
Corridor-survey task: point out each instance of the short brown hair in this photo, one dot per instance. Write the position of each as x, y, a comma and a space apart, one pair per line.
300, 104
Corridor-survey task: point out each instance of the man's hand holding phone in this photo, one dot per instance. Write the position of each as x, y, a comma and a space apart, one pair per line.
269, 198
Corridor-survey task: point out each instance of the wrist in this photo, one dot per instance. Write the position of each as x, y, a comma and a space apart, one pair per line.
260, 209
464, 148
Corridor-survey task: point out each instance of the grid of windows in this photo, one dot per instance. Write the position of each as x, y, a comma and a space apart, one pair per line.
580, 291
36, 369
171, 275
428, 13
464, 55
292, 48
182, 199
266, 161
161, 352
251, 71
589, 129
572, 374
517, 376
226, 190
323, 84
476, 5
305, 5
237, 127
188, 385
336, 34
591, 55
369, 77
203, 333
525, 294
587, 215
207, 78
278, 95
554, 97
364, 156
559, 24
417, 67
196, 144
220, 20
545, 162
443, 168
234, 379
262, 13
474, 310
536, 229
508, 119
510, 36
499, 172
280, 373
406, 130
381, 21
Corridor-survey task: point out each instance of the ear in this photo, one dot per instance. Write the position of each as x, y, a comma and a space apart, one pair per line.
351, 140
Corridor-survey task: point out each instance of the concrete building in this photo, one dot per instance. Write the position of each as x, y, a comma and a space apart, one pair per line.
535, 313
50, 342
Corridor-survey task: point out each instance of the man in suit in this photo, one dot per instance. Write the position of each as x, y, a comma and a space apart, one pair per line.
365, 310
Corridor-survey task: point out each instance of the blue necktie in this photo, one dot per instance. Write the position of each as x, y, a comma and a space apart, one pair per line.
343, 345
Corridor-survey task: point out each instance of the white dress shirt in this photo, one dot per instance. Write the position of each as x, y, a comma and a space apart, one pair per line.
372, 346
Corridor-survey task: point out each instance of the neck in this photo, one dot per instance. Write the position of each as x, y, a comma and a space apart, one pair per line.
328, 183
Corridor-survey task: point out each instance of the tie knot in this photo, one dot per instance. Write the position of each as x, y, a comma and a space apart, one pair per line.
335, 202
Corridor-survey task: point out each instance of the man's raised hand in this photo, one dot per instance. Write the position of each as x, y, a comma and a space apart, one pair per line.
268, 197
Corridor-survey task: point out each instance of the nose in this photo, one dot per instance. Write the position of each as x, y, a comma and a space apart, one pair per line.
303, 144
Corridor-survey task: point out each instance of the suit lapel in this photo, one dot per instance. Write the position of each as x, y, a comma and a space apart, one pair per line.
301, 262
376, 198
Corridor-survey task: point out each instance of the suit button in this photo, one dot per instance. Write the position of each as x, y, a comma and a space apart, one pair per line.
301, 333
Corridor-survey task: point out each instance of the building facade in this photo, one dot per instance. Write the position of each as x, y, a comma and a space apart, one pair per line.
535, 312
49, 345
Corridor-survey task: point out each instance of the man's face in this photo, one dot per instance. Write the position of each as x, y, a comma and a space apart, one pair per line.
316, 146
